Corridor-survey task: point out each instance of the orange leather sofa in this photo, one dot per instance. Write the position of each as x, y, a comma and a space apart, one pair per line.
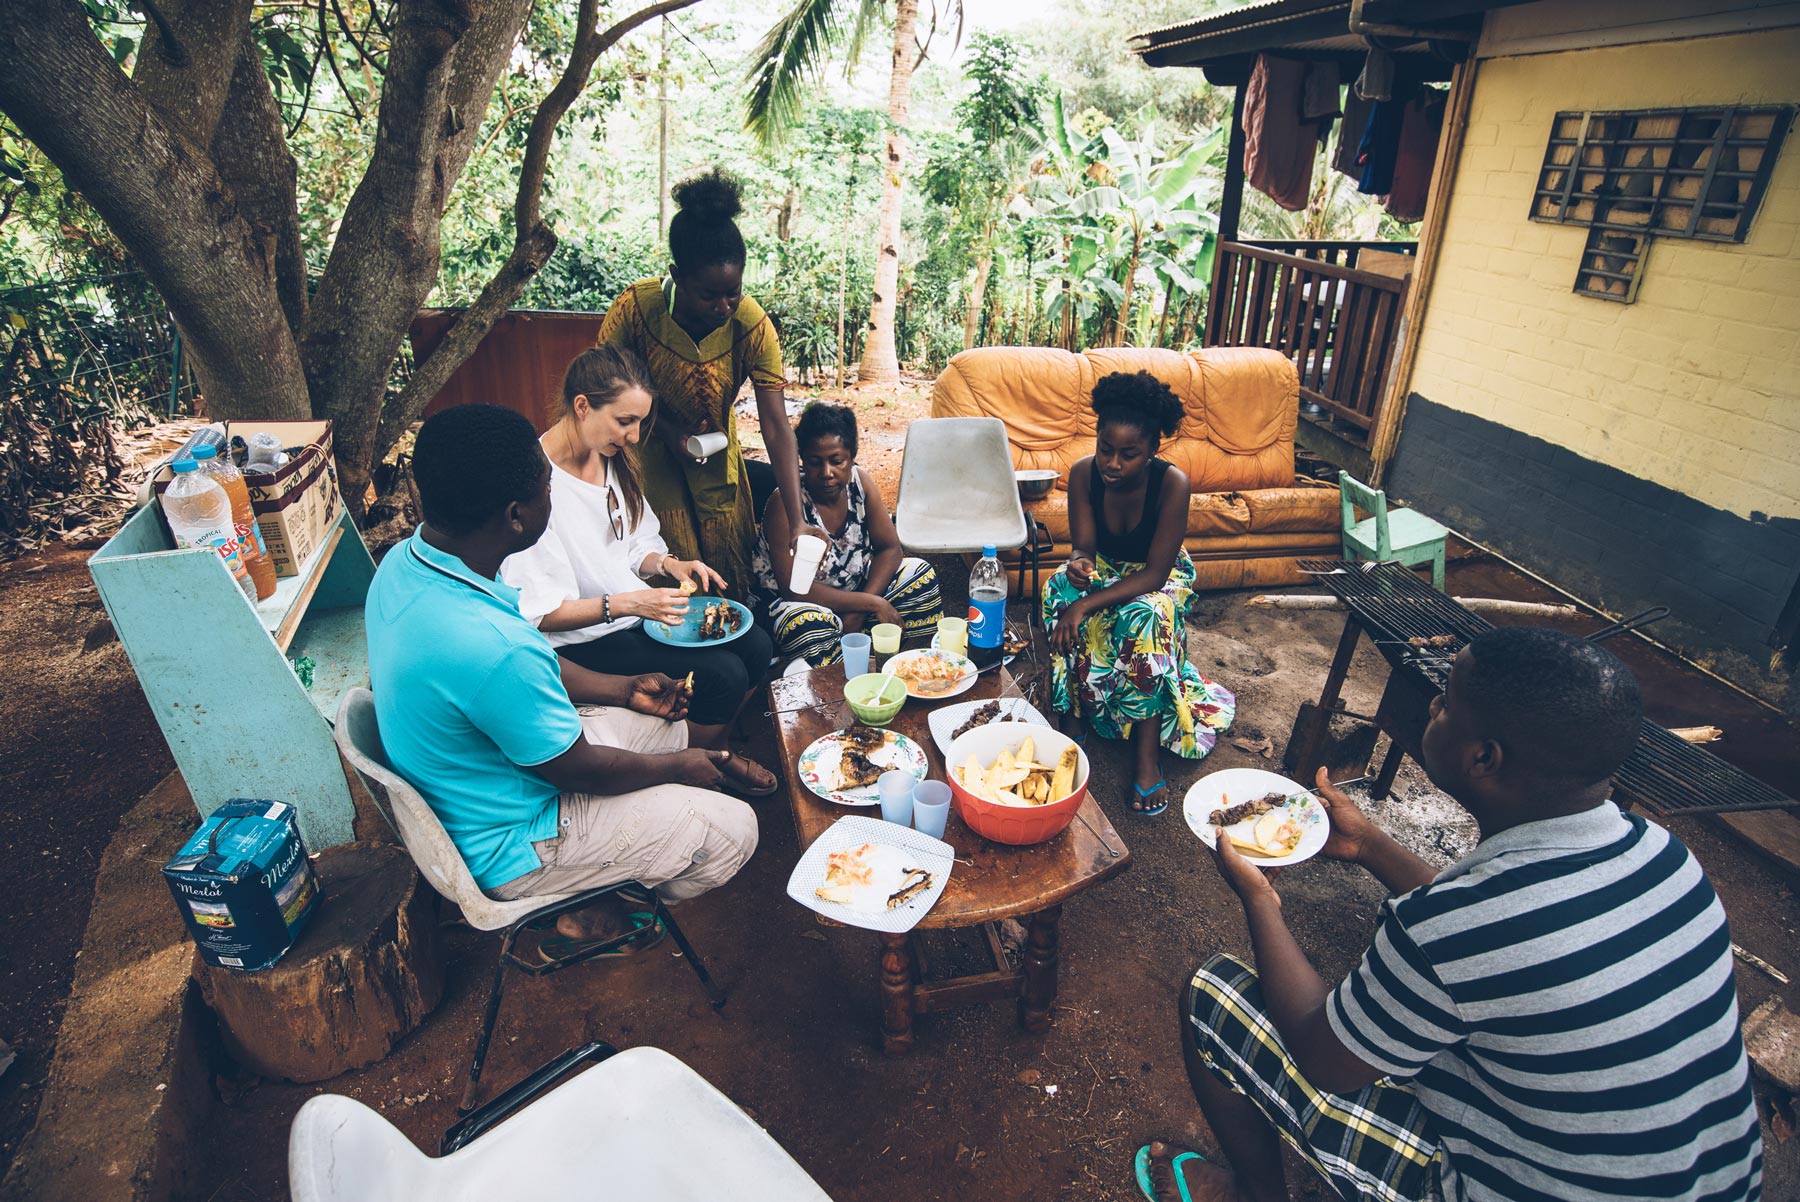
1249, 518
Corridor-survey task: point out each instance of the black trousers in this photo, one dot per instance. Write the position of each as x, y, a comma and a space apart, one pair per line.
762, 485
722, 673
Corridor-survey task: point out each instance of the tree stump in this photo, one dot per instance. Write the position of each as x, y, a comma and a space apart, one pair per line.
365, 973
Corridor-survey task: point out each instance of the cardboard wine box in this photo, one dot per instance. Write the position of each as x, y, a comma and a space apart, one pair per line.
244, 884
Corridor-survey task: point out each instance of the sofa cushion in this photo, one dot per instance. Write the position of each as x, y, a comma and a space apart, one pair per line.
1306, 507
1241, 406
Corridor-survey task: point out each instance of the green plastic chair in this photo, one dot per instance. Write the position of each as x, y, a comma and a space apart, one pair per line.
1405, 536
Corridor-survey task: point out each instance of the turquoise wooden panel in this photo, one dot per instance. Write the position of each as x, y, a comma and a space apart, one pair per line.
229, 704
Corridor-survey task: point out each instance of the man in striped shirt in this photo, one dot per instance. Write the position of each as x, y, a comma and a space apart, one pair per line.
1552, 1017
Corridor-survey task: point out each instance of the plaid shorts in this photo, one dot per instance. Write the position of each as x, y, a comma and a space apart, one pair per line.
1375, 1144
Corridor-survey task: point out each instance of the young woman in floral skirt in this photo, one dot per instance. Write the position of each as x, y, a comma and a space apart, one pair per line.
1117, 611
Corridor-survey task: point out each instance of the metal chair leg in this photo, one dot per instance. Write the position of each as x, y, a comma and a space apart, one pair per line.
489, 1016
1390, 767
693, 958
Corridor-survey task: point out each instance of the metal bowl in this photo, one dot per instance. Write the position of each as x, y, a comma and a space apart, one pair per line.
1035, 483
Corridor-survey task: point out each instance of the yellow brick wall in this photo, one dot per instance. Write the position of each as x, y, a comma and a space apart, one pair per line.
1696, 386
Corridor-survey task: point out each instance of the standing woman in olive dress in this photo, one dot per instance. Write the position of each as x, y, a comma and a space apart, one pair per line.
701, 338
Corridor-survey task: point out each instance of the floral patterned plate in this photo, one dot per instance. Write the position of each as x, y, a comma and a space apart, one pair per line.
819, 766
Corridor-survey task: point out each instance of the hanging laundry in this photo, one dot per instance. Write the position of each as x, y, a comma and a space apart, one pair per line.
1377, 79
1321, 97
1280, 142
1379, 147
1416, 153
1350, 133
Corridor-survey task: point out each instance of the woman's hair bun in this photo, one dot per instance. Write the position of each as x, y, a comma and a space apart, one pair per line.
712, 196
1139, 399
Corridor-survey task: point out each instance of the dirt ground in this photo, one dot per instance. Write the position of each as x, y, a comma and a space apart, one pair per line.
981, 1109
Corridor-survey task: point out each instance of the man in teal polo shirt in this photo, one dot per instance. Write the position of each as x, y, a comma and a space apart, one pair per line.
481, 715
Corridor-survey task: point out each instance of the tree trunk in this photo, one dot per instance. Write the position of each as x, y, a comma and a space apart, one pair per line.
249, 144
881, 361
978, 292
844, 277
364, 974
1124, 326
533, 240
1162, 323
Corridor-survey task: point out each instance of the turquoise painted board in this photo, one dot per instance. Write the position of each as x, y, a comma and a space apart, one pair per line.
236, 718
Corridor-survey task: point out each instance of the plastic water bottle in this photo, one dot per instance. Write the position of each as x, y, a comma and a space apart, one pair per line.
987, 609
199, 515
243, 519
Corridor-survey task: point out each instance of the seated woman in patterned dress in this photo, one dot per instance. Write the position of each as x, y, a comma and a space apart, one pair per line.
1117, 611
865, 578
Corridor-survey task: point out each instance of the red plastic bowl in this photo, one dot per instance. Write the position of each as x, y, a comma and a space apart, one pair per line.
1018, 825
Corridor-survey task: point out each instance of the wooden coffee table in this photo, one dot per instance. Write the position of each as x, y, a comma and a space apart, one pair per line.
990, 881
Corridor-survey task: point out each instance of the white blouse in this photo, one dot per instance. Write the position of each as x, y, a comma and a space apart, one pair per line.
578, 557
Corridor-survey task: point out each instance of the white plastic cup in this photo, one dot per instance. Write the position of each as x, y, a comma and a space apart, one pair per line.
809, 553
705, 446
930, 807
953, 635
896, 789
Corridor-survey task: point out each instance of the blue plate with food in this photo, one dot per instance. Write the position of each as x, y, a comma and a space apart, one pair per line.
709, 621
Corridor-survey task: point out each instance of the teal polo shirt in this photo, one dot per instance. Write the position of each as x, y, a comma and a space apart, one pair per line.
469, 699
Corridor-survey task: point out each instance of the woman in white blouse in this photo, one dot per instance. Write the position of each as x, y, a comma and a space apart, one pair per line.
584, 582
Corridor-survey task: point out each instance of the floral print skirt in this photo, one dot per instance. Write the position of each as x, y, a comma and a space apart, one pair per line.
1130, 663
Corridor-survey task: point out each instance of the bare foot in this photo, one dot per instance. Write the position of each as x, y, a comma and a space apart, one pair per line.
748, 775
1206, 1182
602, 920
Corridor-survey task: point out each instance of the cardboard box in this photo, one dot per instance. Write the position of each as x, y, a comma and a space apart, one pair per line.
244, 884
295, 506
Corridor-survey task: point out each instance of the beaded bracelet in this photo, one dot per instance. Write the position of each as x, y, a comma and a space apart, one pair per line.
605, 607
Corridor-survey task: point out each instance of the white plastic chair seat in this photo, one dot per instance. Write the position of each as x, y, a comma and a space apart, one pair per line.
426, 841
639, 1126
957, 492
1407, 528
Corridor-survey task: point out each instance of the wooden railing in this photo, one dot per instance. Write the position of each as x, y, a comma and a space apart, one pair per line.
1336, 252
1339, 325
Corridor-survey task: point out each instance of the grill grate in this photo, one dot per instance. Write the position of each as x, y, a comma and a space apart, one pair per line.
1665, 773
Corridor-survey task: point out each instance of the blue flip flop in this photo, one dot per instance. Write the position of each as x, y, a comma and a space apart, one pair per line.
1143, 793
1143, 1173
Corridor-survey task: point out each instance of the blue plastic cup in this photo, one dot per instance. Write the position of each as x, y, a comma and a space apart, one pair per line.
930, 807
896, 789
856, 655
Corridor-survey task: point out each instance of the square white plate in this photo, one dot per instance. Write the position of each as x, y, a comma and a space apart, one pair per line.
944, 721
902, 847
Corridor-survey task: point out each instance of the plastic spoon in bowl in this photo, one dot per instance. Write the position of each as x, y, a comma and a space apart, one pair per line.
887, 678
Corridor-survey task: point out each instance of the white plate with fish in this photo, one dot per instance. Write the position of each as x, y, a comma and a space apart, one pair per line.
1273, 813
867, 873
948, 722
933, 675
833, 766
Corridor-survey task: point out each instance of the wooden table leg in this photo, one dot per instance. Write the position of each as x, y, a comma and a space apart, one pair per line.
896, 994
1039, 968
1305, 756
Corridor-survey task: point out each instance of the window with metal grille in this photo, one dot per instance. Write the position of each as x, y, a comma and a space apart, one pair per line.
1631, 177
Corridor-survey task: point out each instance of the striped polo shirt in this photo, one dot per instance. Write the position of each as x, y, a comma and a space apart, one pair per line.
1562, 1003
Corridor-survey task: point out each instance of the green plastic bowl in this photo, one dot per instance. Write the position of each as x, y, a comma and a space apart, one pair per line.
871, 711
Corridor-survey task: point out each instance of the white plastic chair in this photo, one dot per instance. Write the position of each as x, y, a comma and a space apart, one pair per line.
428, 843
639, 1126
957, 492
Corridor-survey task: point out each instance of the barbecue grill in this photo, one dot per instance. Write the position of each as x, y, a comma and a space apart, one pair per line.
1665, 774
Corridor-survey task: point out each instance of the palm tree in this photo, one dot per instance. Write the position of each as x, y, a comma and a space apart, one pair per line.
791, 56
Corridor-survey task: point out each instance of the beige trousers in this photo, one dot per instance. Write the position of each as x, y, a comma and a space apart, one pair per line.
679, 840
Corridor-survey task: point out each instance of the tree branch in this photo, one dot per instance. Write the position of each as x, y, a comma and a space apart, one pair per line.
361, 50
331, 57
171, 45
533, 241
253, 158
189, 84
442, 62
160, 194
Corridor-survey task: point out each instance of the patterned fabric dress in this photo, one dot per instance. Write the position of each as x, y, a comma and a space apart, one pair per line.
814, 632
705, 508
1130, 662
